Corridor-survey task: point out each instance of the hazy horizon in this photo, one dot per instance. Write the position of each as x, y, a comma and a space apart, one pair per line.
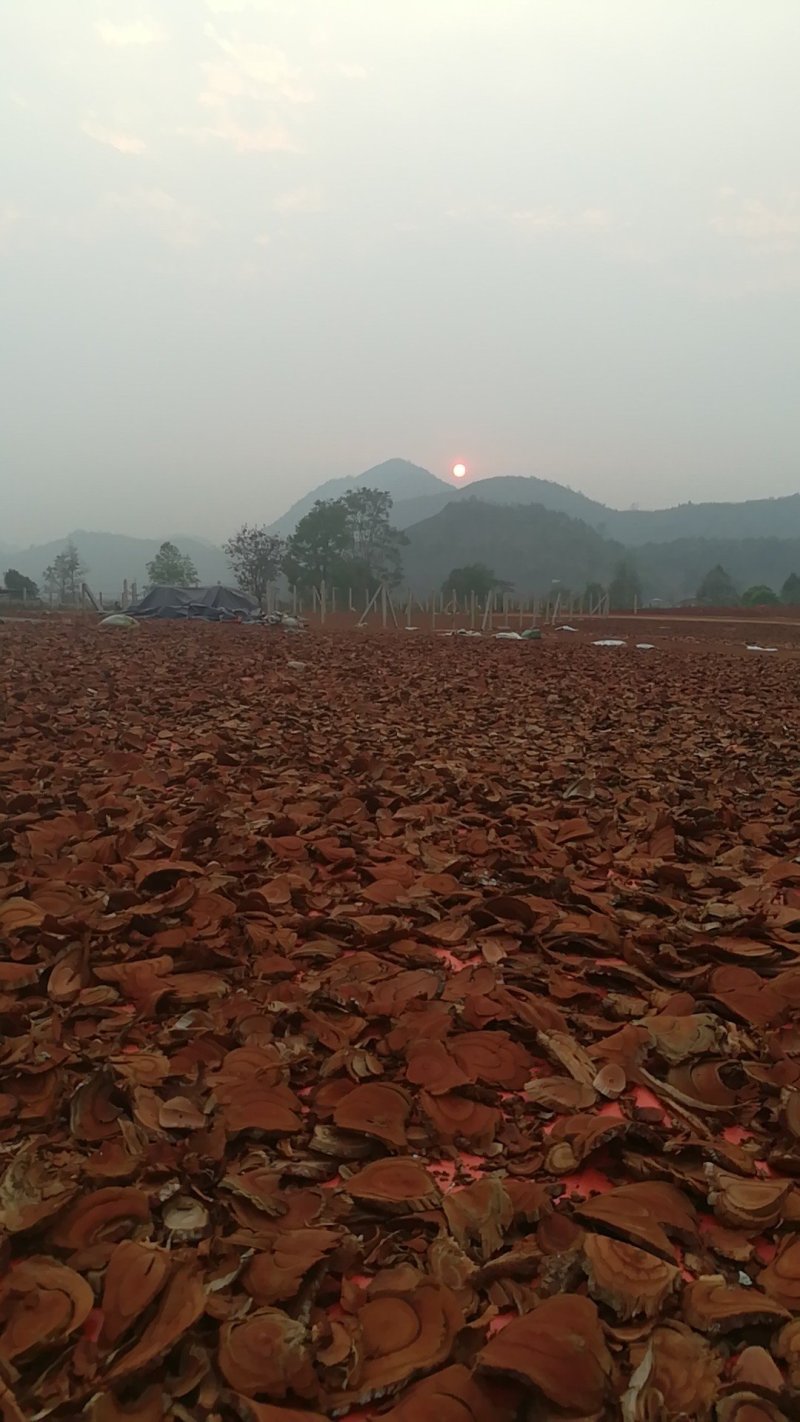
248, 246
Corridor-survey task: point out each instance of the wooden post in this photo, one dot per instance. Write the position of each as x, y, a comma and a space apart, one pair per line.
635, 603
294, 600
370, 603
350, 604
383, 604
488, 612
433, 613
322, 602
472, 609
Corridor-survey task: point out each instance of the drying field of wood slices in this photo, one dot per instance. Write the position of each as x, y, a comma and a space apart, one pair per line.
397, 1027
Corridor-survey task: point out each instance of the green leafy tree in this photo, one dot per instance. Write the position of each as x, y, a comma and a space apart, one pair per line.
717, 589
625, 588
318, 548
62, 578
346, 543
759, 596
256, 558
172, 569
790, 592
19, 585
472, 578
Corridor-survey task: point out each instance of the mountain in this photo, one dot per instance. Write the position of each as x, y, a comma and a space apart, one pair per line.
527, 545
110, 558
532, 548
753, 518
673, 571
417, 495
409, 485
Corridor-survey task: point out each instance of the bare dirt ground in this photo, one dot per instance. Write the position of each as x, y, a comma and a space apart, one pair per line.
399, 1025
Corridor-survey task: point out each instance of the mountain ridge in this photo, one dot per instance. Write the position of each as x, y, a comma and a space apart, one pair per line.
758, 538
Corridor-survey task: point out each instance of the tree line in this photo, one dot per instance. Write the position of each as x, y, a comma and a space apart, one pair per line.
350, 544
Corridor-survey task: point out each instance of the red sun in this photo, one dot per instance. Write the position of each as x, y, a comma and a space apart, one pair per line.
459, 471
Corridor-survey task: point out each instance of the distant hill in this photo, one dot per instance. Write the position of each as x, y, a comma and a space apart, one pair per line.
753, 518
111, 557
530, 530
417, 494
409, 485
673, 571
532, 547
527, 545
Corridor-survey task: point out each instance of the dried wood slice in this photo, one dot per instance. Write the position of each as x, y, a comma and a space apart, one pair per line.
756, 1369
451, 1395
458, 1118
676, 1376
787, 1346
135, 1276
251, 1106
746, 1204
394, 1186
715, 1307
677, 1039
267, 1355
781, 1278
610, 1081
378, 1110
402, 1337
647, 1215
628, 1279
431, 1065
492, 1058
276, 1275
560, 1093
93, 1113
574, 1138
179, 1306
559, 1350
102, 1216
747, 1406
41, 1303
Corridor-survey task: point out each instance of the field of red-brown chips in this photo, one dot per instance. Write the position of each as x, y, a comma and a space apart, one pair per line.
397, 1027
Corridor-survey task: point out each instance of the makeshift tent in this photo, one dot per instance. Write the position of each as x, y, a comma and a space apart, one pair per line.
215, 604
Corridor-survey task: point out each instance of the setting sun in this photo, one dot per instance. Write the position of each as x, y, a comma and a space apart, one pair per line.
459, 470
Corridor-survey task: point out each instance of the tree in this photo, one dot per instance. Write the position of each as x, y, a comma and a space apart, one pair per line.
19, 585
171, 568
594, 595
472, 578
790, 592
256, 557
717, 589
62, 576
759, 596
346, 543
625, 589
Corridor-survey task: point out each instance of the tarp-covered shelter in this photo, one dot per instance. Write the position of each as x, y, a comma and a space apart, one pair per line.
214, 604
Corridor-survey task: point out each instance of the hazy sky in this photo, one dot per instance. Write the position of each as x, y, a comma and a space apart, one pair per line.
246, 245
